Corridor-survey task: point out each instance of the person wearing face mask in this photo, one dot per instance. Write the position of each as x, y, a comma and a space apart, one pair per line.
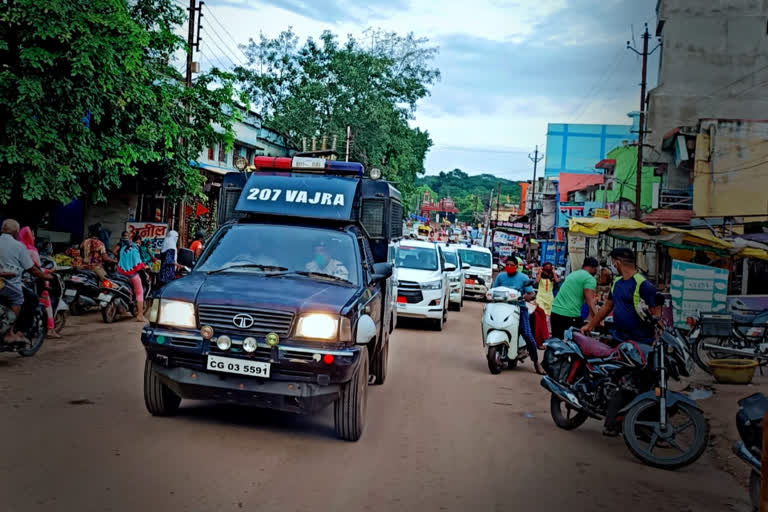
633, 301
511, 278
323, 263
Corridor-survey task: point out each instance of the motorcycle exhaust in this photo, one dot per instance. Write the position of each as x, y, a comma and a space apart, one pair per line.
729, 350
560, 392
741, 452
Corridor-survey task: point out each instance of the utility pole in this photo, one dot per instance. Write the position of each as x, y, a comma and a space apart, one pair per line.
488, 220
536, 158
641, 131
190, 41
192, 45
349, 138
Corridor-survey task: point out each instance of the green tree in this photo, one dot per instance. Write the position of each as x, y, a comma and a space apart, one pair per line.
323, 86
88, 96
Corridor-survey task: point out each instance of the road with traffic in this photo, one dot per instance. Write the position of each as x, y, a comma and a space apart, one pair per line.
442, 434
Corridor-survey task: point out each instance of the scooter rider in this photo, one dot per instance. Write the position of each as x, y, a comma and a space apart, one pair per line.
634, 303
511, 278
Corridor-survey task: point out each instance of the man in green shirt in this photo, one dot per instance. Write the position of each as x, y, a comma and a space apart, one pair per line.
578, 288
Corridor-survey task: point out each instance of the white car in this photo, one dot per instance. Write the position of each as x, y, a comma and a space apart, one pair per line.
422, 281
455, 278
478, 279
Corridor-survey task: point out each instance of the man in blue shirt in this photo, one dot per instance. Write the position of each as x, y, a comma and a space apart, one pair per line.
633, 301
511, 278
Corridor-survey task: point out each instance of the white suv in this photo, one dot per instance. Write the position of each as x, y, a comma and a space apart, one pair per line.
478, 278
422, 281
455, 278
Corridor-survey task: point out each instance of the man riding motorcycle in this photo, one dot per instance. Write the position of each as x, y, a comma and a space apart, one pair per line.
511, 278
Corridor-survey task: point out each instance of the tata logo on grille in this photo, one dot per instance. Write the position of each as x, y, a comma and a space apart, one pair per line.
242, 321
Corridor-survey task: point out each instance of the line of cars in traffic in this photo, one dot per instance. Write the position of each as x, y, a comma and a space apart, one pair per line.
435, 277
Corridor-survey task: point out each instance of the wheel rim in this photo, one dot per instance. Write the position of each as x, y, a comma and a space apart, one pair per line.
706, 355
59, 321
671, 445
36, 333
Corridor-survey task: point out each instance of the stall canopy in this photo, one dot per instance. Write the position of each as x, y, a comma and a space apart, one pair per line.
632, 230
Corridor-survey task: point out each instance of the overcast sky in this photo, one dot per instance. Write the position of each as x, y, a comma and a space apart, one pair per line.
508, 67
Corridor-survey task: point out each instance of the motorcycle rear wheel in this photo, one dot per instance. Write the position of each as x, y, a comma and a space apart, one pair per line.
59, 321
641, 434
36, 333
495, 359
703, 356
566, 421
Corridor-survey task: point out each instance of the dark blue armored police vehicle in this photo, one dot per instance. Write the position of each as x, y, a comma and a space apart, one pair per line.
289, 305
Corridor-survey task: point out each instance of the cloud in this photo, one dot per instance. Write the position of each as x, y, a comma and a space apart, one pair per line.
330, 11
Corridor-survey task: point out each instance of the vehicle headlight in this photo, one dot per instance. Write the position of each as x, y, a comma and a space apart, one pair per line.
317, 326
432, 285
176, 313
455, 279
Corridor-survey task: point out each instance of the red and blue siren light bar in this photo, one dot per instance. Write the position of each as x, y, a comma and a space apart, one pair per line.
307, 164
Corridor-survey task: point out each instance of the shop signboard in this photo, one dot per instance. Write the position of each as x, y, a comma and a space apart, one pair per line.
696, 288
603, 213
576, 210
505, 250
152, 233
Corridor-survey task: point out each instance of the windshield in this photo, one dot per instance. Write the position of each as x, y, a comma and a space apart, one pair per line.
475, 258
451, 257
270, 249
420, 258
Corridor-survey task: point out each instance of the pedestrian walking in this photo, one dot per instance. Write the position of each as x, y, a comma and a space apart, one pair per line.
577, 288
546, 279
130, 264
27, 238
168, 255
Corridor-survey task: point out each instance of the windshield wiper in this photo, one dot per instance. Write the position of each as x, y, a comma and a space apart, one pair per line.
249, 265
321, 275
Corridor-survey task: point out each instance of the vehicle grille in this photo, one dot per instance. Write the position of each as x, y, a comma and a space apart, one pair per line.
264, 321
411, 291
188, 361
396, 220
373, 217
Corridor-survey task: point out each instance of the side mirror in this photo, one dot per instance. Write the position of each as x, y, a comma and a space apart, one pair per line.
381, 271
465, 266
185, 257
450, 267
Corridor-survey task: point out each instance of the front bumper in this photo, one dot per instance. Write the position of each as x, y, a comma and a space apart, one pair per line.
475, 289
455, 295
300, 381
419, 311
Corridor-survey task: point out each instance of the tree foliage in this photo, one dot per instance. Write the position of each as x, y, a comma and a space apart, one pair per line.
322, 86
88, 96
470, 193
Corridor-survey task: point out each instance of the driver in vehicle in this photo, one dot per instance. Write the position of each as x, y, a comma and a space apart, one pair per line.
323, 263
511, 278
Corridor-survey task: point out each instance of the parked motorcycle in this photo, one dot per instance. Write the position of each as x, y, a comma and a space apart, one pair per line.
749, 423
82, 291
662, 428
743, 333
32, 320
117, 297
502, 338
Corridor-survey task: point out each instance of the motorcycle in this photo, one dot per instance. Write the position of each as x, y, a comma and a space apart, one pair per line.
583, 374
117, 297
743, 333
82, 290
32, 320
56, 292
502, 338
749, 423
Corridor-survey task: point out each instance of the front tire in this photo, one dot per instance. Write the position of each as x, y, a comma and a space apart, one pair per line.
60, 320
642, 435
349, 408
566, 421
496, 359
379, 364
109, 313
158, 398
439, 323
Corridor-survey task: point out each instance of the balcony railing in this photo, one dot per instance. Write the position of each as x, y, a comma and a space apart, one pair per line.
675, 199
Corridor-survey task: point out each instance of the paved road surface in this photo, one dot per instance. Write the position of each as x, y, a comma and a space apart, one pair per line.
442, 434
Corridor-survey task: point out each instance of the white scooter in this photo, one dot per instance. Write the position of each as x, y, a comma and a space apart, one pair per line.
502, 338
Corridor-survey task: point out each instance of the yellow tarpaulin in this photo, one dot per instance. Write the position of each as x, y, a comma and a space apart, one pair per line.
630, 227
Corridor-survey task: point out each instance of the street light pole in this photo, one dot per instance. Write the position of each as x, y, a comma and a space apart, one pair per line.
536, 158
